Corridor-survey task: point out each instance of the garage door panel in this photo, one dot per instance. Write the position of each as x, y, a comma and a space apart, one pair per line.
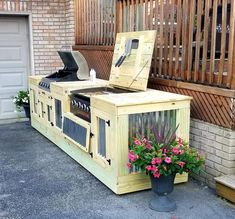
12, 80
10, 53
14, 62
9, 27
7, 106
8, 110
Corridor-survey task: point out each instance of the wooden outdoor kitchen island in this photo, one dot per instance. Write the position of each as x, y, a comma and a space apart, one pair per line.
118, 108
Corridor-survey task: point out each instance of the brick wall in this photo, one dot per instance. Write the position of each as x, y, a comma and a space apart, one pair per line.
53, 28
218, 145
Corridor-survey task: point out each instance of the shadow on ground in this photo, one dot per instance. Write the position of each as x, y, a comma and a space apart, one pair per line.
38, 180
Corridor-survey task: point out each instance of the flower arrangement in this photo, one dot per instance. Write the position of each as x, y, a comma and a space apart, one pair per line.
22, 98
162, 156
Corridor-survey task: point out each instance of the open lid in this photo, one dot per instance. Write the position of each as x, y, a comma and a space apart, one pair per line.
132, 72
68, 60
74, 61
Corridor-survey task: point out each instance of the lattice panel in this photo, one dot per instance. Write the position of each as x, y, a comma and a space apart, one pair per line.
210, 108
101, 61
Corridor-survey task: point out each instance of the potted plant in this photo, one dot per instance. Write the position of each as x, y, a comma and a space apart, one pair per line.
22, 100
162, 156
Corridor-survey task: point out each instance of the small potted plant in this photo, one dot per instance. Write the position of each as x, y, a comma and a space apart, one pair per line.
162, 157
22, 100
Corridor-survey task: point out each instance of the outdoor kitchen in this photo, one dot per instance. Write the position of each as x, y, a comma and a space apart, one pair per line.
92, 120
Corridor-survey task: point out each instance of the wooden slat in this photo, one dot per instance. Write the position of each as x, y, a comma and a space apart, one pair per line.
223, 42
190, 38
151, 15
156, 41
198, 40
165, 37
231, 50
184, 39
87, 20
172, 14
213, 42
114, 22
161, 37
124, 16
178, 37
137, 15
141, 14
146, 15
205, 41
129, 15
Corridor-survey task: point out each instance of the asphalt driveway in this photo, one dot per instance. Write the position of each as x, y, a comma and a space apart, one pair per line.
38, 180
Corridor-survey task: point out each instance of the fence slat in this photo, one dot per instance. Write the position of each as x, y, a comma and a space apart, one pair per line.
151, 15
165, 37
171, 36
178, 36
161, 37
213, 42
205, 41
198, 40
146, 15
231, 45
190, 38
184, 39
223, 42
156, 41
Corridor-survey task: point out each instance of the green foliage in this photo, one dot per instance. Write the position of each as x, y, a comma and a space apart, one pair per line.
165, 158
22, 98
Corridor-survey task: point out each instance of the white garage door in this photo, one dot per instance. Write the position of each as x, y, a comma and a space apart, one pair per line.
14, 62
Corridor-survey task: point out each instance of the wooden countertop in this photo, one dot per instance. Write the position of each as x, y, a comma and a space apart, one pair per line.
143, 97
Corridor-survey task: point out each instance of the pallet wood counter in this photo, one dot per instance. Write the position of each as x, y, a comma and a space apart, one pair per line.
94, 121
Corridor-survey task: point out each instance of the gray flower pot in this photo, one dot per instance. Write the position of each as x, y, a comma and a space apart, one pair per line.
162, 187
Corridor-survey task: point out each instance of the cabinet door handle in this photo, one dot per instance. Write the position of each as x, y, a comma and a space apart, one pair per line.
109, 161
108, 122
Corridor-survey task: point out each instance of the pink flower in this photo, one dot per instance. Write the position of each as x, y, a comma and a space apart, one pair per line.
159, 160
154, 161
148, 167
164, 151
132, 157
154, 168
148, 146
181, 152
180, 142
167, 160
156, 175
129, 165
175, 150
181, 164
137, 142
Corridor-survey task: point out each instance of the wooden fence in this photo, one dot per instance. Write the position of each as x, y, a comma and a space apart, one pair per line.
195, 38
95, 22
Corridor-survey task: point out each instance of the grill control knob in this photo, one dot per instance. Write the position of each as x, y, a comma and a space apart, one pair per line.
84, 107
80, 105
73, 102
88, 109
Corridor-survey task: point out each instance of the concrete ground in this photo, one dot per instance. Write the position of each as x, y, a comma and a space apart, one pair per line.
38, 180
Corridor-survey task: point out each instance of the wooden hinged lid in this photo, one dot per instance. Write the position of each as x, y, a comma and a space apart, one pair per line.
133, 73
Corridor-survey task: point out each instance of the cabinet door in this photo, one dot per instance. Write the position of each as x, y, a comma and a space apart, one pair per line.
33, 101
102, 126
